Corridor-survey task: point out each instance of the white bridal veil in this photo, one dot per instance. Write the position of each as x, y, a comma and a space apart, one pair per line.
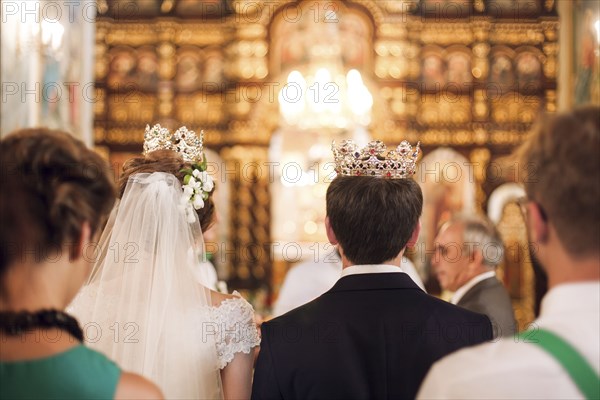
143, 306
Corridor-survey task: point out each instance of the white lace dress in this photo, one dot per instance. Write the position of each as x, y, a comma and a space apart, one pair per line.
235, 329
231, 324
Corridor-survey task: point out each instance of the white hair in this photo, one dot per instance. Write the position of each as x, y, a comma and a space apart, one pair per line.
480, 233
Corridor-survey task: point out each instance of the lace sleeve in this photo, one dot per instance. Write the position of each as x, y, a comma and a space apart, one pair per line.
237, 332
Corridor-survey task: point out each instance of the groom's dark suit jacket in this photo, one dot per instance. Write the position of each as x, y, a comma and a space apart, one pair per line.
372, 336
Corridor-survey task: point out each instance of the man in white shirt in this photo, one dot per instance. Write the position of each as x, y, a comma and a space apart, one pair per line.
468, 249
375, 333
562, 181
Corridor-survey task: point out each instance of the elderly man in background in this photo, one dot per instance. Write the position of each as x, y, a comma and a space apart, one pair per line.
467, 251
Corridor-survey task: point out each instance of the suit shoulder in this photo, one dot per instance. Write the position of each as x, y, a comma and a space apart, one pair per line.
297, 315
445, 310
490, 295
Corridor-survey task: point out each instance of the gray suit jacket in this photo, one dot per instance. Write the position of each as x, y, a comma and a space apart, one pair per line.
489, 297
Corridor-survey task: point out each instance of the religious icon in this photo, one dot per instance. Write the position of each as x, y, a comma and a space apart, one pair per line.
122, 69
213, 67
502, 70
529, 71
587, 51
459, 68
189, 73
147, 69
514, 9
433, 72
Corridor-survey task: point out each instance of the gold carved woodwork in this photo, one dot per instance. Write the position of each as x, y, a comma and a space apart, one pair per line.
481, 64
480, 106
200, 35
480, 158
99, 134
445, 33
393, 31
247, 169
165, 103
396, 59
518, 277
201, 108
551, 52
506, 138
250, 61
515, 107
481, 30
551, 101
99, 102
100, 65
437, 108
131, 34
166, 67
550, 30
456, 137
398, 6
375, 8
517, 34
121, 136
212, 137
479, 6
132, 106
136, 34
253, 31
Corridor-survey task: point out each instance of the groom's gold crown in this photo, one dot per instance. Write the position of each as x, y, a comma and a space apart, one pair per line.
183, 141
375, 160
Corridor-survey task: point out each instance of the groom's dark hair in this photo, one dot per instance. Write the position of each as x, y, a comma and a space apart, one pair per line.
373, 218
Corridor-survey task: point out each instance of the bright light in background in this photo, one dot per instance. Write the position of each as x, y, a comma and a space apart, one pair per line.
325, 100
52, 34
597, 27
359, 97
306, 178
291, 97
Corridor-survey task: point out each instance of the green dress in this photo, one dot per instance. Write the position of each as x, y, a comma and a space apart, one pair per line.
77, 373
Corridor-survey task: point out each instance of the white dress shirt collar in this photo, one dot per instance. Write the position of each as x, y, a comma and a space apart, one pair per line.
370, 269
467, 286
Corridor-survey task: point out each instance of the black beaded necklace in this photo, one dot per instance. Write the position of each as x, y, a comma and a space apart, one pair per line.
16, 323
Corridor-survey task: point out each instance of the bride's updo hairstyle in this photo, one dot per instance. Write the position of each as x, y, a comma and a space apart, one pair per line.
51, 184
170, 162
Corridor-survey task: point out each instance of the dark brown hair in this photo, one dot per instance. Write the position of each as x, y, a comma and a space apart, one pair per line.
170, 162
560, 169
51, 184
373, 218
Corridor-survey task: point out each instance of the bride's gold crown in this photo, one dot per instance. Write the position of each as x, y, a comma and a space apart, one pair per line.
372, 160
183, 141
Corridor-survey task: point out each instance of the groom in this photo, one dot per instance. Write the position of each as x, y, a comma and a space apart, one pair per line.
375, 333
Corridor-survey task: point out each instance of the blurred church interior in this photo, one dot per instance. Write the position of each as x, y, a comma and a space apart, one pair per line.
273, 82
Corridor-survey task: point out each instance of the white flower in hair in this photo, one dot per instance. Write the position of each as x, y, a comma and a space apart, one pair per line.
198, 202
207, 183
190, 214
197, 185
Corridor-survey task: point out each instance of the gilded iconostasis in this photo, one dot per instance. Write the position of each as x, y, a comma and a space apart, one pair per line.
273, 83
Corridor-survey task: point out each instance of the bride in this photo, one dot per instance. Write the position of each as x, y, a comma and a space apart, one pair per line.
143, 305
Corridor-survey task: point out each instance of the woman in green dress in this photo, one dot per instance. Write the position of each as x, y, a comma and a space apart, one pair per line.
54, 198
